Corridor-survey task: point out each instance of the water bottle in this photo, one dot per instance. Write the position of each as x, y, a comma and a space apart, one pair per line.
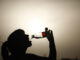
41, 34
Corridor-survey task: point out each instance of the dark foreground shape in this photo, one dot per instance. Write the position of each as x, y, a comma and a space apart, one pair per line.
18, 42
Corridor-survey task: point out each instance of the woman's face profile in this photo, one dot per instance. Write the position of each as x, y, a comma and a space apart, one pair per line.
27, 42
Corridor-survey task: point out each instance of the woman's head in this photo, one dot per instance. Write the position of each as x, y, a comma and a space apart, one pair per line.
18, 41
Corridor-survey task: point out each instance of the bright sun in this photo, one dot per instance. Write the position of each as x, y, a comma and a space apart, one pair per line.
36, 26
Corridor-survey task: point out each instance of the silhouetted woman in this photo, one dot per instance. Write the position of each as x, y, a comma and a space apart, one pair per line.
17, 44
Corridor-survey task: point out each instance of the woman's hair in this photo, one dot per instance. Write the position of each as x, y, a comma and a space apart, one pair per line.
15, 41
16, 34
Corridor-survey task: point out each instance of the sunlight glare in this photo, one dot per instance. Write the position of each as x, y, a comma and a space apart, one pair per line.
35, 25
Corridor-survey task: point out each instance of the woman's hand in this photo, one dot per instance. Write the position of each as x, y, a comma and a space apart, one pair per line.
49, 35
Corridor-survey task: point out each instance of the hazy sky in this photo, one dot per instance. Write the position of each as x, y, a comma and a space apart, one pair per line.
62, 16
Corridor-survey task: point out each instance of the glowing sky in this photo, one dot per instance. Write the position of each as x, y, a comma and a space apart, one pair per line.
34, 15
